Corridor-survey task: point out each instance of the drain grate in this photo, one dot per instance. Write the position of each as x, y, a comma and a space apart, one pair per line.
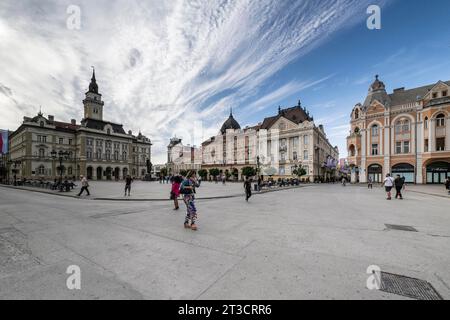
408, 287
401, 228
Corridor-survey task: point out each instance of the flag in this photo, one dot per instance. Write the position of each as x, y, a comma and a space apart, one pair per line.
3, 141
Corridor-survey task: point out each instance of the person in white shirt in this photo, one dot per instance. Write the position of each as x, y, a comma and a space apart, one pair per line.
388, 184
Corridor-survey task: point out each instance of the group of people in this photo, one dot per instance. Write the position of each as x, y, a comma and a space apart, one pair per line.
398, 183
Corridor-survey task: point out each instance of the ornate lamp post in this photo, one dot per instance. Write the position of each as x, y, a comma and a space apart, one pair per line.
61, 156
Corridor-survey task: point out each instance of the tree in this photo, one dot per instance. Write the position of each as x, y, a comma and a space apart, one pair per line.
214, 172
248, 171
203, 173
300, 172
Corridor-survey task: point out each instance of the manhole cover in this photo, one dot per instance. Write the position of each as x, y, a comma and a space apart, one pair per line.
401, 228
408, 287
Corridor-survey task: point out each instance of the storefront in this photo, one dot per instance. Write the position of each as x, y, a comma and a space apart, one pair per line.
375, 172
404, 170
438, 172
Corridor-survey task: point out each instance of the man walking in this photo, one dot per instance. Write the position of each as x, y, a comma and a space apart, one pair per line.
128, 181
370, 183
388, 184
84, 186
447, 185
248, 188
399, 185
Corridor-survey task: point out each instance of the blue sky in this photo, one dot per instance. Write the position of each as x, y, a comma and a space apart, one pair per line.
176, 67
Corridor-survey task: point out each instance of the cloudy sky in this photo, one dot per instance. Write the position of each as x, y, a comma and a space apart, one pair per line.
176, 67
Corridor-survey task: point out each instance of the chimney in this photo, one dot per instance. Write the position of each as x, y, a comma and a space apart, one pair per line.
51, 118
73, 122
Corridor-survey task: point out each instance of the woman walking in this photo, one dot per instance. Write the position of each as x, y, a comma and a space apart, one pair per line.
187, 189
175, 192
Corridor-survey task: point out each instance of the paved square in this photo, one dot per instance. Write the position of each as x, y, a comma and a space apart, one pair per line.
314, 242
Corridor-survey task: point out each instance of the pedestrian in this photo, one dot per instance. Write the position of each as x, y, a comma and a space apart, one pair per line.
248, 188
388, 184
447, 185
224, 179
187, 190
199, 181
344, 181
399, 186
84, 186
175, 191
128, 181
370, 183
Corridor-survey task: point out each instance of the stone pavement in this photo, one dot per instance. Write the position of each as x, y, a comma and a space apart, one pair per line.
308, 243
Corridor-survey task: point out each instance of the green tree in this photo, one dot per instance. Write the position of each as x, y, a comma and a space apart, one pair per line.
248, 171
183, 173
163, 172
214, 172
203, 173
300, 172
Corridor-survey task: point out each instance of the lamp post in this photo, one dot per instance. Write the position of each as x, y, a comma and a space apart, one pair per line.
61, 155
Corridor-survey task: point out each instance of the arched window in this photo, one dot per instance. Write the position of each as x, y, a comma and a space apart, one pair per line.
406, 126
124, 156
398, 126
440, 121
357, 130
108, 155
375, 131
41, 123
357, 114
426, 122
99, 153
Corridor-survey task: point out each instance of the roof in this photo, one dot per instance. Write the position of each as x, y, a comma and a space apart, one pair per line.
100, 125
296, 114
401, 97
230, 123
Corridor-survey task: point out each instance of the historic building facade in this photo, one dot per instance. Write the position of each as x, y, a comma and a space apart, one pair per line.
98, 149
181, 157
406, 132
276, 146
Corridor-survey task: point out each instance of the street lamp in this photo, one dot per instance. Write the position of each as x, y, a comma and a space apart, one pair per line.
61, 155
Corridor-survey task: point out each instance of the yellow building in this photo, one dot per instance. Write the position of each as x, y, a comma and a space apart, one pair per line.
406, 132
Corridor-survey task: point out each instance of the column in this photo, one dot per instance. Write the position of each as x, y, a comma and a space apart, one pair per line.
431, 136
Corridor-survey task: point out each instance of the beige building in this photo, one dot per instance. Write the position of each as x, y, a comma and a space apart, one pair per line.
278, 146
96, 148
406, 132
181, 157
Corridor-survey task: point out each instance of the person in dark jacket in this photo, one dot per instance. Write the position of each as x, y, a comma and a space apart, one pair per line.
248, 188
399, 185
128, 182
447, 185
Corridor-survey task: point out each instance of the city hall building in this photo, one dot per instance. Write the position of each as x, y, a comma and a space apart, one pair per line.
96, 148
406, 132
277, 146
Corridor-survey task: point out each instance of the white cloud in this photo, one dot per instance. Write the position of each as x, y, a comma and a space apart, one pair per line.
162, 66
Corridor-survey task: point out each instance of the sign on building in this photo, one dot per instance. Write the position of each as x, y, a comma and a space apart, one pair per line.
3, 142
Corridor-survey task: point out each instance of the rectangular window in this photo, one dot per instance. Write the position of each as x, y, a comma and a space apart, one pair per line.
295, 142
406, 148
440, 144
295, 156
426, 145
375, 149
440, 122
305, 140
305, 155
444, 93
375, 131
398, 147
70, 141
435, 95
61, 140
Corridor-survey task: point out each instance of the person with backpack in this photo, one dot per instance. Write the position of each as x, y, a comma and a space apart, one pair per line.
388, 184
187, 189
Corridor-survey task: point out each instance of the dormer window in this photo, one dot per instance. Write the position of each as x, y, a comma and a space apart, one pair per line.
41, 123
444, 93
435, 95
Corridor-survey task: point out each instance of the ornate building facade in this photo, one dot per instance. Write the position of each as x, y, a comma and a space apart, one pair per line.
406, 132
98, 149
181, 157
276, 146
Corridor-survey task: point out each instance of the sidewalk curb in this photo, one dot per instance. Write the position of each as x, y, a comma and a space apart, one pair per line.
147, 200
